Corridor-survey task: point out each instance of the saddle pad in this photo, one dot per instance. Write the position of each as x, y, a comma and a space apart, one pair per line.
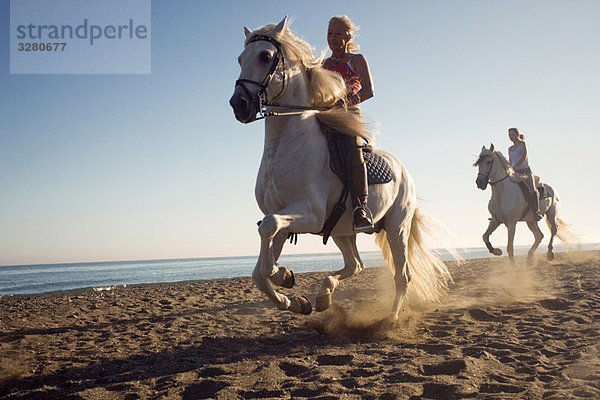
378, 169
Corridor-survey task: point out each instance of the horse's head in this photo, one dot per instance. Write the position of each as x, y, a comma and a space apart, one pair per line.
261, 59
484, 163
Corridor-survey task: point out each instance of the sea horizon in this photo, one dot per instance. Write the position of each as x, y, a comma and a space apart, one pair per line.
36, 279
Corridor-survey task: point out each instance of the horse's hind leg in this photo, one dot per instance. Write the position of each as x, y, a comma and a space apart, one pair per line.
551, 218
397, 230
352, 267
398, 246
494, 223
510, 249
538, 235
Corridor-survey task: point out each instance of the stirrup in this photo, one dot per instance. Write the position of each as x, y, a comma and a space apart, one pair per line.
369, 219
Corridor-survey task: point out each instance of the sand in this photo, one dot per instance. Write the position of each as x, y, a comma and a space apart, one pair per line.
502, 332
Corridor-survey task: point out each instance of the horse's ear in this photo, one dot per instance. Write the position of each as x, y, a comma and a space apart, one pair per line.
491, 147
247, 32
282, 25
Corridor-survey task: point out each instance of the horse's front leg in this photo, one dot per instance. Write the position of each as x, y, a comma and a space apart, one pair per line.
494, 223
538, 236
352, 267
512, 228
283, 277
273, 232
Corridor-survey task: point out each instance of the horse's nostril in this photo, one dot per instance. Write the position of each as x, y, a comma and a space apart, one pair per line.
242, 104
238, 103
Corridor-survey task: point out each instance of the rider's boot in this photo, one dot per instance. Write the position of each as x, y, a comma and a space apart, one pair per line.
361, 216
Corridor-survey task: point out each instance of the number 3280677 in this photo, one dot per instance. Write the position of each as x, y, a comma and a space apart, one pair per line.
41, 46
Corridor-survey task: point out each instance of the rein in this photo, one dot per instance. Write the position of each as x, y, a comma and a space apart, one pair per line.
260, 100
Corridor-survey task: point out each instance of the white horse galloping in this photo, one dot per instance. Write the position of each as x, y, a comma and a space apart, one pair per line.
295, 187
508, 205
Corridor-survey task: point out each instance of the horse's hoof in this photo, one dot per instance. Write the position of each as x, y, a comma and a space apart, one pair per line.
497, 252
550, 256
303, 305
323, 303
529, 261
289, 280
390, 321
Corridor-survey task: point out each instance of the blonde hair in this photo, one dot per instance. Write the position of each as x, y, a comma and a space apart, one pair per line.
351, 28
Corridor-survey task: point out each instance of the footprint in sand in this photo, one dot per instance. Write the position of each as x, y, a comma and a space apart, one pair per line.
402, 377
500, 388
212, 372
294, 369
555, 304
446, 391
435, 348
478, 314
206, 389
327, 359
309, 393
261, 394
452, 367
364, 373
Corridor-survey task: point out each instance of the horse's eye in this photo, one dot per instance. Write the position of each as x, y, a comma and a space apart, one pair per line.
266, 56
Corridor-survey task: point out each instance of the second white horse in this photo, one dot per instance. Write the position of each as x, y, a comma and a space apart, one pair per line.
509, 205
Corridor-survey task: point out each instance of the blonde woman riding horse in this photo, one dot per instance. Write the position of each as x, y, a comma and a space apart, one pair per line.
296, 189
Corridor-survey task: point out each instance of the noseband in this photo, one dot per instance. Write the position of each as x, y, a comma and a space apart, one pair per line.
260, 100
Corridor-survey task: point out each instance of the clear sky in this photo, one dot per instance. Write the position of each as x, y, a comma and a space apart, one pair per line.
121, 167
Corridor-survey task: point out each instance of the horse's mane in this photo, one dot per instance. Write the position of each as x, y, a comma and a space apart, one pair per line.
325, 87
506, 164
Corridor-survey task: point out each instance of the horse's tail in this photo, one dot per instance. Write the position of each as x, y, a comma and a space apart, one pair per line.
563, 231
429, 274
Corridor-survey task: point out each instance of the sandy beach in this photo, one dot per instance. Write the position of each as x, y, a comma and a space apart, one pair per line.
502, 332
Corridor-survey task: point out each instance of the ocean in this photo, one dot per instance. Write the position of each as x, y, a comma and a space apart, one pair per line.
37, 279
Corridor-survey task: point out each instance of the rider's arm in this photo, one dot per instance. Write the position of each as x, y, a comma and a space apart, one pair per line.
524, 156
361, 67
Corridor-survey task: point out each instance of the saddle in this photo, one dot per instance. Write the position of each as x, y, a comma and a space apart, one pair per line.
379, 172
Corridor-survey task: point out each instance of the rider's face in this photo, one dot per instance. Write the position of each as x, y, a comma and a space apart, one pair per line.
337, 36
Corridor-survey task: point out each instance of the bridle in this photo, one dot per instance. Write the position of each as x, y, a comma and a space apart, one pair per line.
487, 176
260, 100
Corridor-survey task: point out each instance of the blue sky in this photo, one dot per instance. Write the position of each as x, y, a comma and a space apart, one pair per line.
119, 167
